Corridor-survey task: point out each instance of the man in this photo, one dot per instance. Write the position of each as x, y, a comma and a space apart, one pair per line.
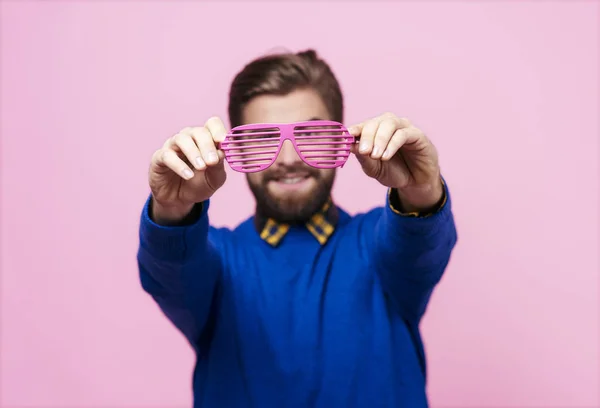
301, 305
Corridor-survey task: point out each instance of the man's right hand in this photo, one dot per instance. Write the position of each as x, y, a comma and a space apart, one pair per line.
188, 169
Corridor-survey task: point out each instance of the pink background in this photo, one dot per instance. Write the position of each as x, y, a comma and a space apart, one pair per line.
508, 91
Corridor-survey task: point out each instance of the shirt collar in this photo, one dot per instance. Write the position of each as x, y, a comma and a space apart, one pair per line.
321, 225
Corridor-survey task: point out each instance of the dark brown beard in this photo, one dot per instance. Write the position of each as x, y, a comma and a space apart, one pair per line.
292, 210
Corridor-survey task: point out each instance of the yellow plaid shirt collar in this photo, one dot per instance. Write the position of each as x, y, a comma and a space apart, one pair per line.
321, 225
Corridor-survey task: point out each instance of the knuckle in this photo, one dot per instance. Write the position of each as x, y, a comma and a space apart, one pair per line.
157, 155
213, 120
180, 138
390, 122
399, 136
161, 156
184, 131
370, 126
206, 143
201, 134
165, 154
168, 142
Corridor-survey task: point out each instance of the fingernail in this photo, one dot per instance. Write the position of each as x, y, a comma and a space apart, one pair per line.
187, 173
212, 157
386, 154
200, 163
363, 147
375, 151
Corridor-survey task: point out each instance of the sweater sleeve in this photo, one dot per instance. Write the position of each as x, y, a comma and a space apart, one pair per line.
411, 253
181, 269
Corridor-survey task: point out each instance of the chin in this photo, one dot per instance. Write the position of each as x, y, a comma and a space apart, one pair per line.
292, 206
291, 201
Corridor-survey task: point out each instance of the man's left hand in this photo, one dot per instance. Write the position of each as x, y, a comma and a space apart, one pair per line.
400, 156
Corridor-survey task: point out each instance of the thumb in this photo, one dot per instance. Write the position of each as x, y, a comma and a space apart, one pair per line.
216, 174
356, 129
370, 166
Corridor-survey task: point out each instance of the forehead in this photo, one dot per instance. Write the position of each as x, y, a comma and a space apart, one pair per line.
298, 105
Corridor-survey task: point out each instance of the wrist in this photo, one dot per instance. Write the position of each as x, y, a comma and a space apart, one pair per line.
169, 214
422, 199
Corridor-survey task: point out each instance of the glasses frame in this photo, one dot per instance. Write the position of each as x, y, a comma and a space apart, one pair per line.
290, 131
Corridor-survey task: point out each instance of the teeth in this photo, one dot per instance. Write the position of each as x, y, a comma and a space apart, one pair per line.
291, 180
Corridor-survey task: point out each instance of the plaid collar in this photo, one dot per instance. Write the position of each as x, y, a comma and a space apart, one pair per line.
321, 225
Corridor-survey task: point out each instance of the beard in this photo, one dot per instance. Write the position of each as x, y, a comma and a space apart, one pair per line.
293, 208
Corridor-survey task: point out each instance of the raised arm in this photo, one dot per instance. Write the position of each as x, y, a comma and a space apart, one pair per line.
413, 237
179, 264
181, 269
411, 252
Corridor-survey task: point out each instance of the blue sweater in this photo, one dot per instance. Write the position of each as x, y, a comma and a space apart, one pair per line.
301, 321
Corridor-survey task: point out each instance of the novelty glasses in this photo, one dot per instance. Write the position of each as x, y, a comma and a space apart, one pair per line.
323, 144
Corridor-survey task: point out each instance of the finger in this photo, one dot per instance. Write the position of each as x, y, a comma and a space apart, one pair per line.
185, 142
356, 130
385, 131
402, 122
216, 127
170, 159
400, 138
170, 142
370, 166
206, 144
367, 136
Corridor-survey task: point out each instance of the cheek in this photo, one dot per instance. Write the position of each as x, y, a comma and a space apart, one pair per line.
326, 174
255, 179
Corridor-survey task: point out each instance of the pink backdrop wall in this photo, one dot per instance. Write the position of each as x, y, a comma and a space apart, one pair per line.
508, 91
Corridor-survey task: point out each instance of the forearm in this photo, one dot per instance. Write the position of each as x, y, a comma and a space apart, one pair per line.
180, 268
412, 252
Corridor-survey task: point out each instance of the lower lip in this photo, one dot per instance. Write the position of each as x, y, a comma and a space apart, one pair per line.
299, 185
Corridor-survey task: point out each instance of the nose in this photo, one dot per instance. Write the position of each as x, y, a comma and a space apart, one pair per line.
287, 155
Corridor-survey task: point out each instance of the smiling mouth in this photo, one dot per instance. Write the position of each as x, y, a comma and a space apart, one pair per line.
291, 179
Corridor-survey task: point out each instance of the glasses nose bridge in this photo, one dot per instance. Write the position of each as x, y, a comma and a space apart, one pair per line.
287, 134
288, 152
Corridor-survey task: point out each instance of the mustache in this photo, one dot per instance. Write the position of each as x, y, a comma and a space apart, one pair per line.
282, 171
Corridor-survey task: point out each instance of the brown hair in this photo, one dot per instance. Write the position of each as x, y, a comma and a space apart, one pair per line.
282, 73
